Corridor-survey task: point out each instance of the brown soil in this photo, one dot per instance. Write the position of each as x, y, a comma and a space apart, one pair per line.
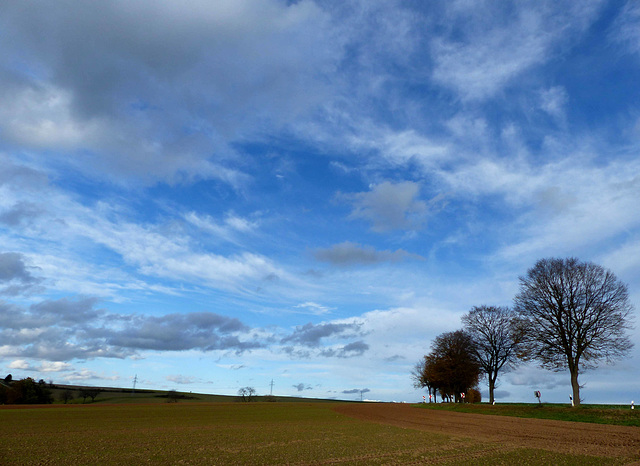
559, 436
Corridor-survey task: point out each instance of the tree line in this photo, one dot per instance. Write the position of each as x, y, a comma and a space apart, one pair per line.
24, 391
28, 391
568, 315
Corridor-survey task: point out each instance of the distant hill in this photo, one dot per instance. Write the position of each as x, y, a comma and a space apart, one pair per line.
79, 394
128, 395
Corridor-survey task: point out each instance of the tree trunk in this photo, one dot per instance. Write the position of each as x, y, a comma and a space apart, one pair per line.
576, 387
492, 386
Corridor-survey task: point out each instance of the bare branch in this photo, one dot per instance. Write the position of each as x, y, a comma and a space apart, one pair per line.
576, 314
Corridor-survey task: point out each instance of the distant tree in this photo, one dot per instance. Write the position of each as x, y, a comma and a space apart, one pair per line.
497, 335
247, 393
451, 367
43, 394
426, 374
89, 392
172, 396
27, 391
421, 379
66, 396
93, 393
576, 314
8, 379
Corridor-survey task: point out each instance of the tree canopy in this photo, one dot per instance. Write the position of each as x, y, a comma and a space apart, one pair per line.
496, 337
26, 391
247, 393
451, 367
575, 314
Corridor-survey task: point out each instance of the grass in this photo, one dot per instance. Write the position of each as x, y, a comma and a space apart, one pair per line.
237, 433
597, 414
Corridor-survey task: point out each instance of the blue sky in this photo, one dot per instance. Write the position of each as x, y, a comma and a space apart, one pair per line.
228, 193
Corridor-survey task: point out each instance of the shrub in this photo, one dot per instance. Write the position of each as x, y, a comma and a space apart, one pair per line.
473, 396
27, 391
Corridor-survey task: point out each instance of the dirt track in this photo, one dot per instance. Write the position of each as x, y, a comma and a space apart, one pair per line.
559, 436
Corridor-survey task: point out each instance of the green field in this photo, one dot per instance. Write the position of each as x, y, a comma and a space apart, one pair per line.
236, 433
621, 415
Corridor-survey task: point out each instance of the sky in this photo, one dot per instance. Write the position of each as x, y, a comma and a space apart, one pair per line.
210, 195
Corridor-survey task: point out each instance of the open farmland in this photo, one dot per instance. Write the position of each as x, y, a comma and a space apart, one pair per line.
298, 433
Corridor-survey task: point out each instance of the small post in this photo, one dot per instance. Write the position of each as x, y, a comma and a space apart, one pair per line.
571, 398
632, 407
538, 395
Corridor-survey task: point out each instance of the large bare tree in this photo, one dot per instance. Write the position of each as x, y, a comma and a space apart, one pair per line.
576, 315
497, 337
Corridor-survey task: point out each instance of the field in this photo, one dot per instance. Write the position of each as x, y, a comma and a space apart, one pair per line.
298, 433
621, 415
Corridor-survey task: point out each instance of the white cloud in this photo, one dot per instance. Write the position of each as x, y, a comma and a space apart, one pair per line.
227, 230
624, 257
389, 206
553, 101
313, 308
20, 364
511, 178
151, 249
61, 330
348, 254
536, 378
399, 147
40, 117
597, 204
160, 102
85, 375
55, 366
44, 366
626, 29
497, 46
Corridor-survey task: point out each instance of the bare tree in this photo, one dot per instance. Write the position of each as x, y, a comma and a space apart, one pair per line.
421, 379
496, 336
66, 396
89, 392
247, 393
93, 393
576, 314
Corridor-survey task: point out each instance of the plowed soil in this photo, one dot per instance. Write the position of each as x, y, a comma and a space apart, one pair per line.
558, 436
